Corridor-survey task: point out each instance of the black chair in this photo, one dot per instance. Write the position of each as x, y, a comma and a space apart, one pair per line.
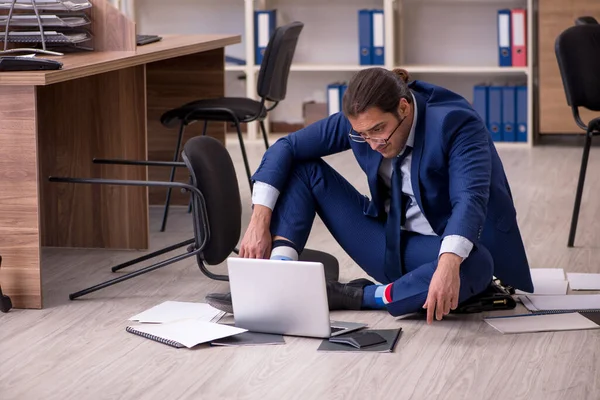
271, 87
585, 20
216, 213
578, 55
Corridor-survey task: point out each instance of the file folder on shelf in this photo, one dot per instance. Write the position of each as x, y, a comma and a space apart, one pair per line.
519, 37
480, 102
509, 133
504, 38
335, 95
495, 112
378, 50
521, 113
265, 22
365, 37
50, 21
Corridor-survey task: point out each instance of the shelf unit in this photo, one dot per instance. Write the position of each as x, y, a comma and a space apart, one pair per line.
447, 42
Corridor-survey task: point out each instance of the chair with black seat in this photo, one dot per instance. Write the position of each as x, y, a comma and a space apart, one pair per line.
578, 54
216, 212
271, 87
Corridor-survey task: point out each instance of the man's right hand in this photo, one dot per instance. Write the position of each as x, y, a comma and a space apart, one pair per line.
257, 240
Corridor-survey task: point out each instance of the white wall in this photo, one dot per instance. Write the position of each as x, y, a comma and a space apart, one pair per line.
435, 32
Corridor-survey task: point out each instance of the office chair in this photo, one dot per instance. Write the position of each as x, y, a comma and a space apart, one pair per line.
216, 213
578, 55
271, 87
585, 20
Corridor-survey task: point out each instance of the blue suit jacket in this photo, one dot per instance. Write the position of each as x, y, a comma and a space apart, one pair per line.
457, 176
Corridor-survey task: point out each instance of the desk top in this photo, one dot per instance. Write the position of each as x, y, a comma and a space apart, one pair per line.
79, 65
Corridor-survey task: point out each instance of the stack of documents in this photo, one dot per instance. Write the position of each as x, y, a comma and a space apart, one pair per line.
58, 5
48, 20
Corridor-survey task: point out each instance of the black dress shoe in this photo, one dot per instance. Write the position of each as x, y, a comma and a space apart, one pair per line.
340, 296
220, 301
346, 296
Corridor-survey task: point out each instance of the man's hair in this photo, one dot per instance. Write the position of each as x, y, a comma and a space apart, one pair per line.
376, 87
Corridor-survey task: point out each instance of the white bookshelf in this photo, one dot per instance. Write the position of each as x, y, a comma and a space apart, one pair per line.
451, 43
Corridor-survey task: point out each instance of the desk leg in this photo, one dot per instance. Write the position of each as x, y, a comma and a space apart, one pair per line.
19, 212
102, 116
172, 83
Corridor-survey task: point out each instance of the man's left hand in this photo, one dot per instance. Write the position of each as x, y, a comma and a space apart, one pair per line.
444, 287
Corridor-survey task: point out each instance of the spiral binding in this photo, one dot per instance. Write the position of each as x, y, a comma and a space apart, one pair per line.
172, 343
585, 310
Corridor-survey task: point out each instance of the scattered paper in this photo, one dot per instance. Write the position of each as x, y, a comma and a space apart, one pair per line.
548, 281
189, 332
171, 311
581, 281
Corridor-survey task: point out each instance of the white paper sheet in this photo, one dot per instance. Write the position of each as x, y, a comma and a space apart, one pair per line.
548, 281
170, 311
581, 281
541, 323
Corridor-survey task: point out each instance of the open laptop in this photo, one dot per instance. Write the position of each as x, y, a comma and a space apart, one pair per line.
283, 297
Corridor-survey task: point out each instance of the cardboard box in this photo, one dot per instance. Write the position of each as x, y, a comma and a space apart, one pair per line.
313, 112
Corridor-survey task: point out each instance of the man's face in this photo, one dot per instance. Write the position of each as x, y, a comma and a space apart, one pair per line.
384, 132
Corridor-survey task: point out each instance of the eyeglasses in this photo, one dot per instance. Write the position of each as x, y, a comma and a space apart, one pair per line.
378, 141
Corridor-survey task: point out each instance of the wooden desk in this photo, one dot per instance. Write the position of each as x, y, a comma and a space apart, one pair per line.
101, 104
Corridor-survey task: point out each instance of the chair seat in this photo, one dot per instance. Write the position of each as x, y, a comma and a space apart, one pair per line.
243, 108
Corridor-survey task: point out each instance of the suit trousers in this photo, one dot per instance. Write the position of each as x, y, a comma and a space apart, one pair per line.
314, 187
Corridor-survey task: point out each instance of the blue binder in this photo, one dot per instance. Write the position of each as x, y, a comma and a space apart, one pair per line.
378, 50
521, 111
334, 104
509, 96
504, 38
480, 102
365, 37
265, 22
495, 112
342, 89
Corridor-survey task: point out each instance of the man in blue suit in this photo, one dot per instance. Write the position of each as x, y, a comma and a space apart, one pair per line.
440, 221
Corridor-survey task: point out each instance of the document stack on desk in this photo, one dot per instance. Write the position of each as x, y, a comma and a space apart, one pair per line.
67, 28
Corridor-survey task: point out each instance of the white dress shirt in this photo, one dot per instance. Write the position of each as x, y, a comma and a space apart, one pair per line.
266, 195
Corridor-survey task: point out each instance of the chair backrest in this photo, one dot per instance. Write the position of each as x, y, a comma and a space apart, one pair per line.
578, 54
218, 218
586, 19
277, 60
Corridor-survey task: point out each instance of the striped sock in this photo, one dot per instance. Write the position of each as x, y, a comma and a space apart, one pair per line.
284, 250
377, 296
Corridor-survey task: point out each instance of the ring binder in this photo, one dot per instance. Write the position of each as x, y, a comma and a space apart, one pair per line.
169, 342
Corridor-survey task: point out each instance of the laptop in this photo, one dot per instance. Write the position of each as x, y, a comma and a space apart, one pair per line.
282, 297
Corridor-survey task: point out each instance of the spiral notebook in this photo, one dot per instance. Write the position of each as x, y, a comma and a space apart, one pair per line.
561, 303
184, 333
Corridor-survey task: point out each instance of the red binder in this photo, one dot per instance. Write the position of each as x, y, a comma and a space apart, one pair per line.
519, 37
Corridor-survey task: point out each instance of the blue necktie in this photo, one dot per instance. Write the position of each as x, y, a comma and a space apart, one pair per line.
396, 216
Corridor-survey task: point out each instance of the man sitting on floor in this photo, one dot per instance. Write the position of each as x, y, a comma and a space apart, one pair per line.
441, 221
